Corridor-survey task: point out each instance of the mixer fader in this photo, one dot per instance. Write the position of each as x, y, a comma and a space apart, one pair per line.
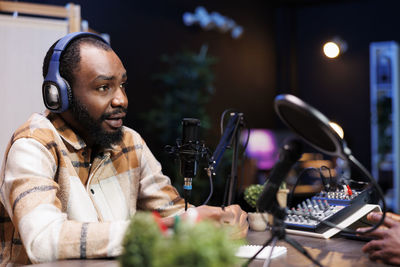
325, 206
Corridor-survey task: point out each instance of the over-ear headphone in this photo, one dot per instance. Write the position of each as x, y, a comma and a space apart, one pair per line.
55, 89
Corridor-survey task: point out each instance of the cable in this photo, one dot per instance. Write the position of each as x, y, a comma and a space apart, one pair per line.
247, 139
244, 124
379, 191
222, 119
211, 187
186, 198
333, 184
241, 122
297, 182
243, 158
380, 194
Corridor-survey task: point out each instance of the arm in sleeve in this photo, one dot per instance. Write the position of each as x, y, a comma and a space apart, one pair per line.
156, 191
31, 197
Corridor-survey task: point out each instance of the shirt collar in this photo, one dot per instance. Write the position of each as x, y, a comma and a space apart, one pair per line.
66, 133
70, 137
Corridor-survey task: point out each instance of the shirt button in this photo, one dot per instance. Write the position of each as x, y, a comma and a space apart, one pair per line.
91, 190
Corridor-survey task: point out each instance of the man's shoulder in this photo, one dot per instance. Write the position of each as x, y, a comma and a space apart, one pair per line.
38, 126
131, 136
129, 131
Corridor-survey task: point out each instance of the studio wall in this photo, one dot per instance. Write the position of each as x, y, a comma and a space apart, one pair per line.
279, 52
340, 87
141, 31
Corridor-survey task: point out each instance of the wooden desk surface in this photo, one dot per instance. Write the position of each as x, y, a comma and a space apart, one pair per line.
336, 251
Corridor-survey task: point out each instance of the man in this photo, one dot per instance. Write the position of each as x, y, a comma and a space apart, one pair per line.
386, 244
71, 180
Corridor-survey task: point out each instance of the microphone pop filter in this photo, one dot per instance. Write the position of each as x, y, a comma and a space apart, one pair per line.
310, 124
314, 128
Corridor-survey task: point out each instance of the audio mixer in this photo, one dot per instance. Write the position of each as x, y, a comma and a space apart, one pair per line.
333, 207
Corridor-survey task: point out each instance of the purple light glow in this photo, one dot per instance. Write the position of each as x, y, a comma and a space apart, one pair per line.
263, 147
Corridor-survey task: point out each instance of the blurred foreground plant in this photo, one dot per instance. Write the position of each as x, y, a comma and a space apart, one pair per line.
203, 244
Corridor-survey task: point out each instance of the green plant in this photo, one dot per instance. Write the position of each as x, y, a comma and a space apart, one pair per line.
186, 87
200, 245
184, 90
203, 244
141, 241
253, 192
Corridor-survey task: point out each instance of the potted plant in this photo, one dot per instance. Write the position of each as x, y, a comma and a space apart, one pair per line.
259, 221
203, 244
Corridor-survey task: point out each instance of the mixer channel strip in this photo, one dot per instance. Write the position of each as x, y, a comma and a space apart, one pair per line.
325, 206
341, 197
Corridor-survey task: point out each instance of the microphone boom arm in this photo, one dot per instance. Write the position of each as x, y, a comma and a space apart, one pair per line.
225, 141
230, 136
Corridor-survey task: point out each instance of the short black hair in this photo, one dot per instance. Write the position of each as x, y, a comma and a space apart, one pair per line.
70, 57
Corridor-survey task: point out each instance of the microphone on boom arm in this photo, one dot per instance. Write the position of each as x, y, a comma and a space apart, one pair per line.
290, 153
189, 150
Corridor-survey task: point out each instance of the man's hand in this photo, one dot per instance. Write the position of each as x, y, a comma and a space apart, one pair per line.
231, 215
386, 246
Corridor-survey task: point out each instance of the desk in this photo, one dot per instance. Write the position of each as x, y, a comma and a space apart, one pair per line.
336, 251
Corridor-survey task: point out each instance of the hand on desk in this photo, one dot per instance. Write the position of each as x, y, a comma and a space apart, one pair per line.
386, 246
232, 215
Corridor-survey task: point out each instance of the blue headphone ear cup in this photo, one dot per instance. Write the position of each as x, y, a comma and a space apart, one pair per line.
57, 94
51, 95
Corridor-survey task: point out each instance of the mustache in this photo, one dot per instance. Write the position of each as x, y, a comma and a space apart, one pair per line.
114, 112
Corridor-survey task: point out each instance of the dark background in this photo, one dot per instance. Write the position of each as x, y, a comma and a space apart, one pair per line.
279, 52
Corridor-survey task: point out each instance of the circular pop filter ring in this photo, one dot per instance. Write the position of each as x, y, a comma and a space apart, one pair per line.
310, 124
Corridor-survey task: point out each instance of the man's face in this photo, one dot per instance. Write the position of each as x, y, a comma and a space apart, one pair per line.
99, 101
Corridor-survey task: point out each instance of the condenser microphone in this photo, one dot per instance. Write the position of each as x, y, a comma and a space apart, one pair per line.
189, 151
288, 156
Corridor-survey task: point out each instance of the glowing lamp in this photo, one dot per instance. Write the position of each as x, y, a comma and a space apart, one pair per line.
334, 48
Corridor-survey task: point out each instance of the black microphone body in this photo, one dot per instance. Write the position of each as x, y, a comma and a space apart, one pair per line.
189, 151
288, 156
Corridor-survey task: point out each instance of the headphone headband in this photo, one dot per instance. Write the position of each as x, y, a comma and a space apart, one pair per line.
56, 90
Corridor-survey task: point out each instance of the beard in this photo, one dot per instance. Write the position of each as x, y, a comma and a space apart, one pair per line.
99, 136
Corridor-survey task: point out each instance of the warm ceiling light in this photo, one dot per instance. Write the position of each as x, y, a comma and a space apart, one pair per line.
334, 48
331, 50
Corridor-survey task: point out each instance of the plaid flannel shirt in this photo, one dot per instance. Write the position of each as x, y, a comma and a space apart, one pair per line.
59, 205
